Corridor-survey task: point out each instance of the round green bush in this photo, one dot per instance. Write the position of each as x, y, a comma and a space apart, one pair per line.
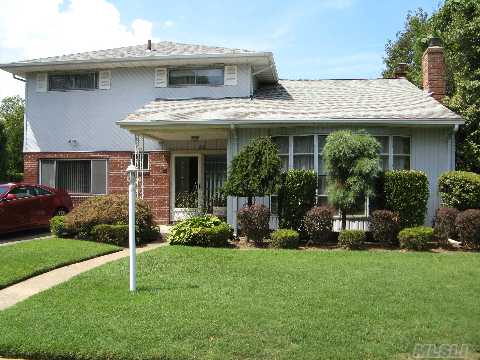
460, 189
352, 239
406, 192
254, 222
57, 226
415, 238
285, 239
201, 231
385, 225
444, 225
318, 223
109, 210
468, 227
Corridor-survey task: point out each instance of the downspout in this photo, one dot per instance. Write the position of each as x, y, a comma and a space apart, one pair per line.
452, 141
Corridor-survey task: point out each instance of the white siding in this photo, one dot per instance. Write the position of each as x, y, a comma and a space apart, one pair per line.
54, 117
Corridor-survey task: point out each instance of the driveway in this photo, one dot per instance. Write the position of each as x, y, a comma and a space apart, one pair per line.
23, 236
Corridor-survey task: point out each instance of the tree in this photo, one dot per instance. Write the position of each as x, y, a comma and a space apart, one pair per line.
457, 24
255, 171
11, 115
352, 163
3, 153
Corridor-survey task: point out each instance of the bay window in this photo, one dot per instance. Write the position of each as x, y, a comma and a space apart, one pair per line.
75, 176
298, 152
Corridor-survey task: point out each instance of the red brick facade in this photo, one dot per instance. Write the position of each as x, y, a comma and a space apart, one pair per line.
433, 72
156, 180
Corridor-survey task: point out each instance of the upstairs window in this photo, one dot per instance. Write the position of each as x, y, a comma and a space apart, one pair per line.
188, 77
74, 81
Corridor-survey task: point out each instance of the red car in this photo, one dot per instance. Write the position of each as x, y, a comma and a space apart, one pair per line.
24, 206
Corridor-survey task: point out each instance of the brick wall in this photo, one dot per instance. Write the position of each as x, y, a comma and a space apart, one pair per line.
433, 72
156, 180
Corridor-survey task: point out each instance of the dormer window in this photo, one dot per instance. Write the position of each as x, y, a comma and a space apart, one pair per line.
189, 77
73, 81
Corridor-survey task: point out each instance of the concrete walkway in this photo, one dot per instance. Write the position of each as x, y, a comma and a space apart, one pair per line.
23, 290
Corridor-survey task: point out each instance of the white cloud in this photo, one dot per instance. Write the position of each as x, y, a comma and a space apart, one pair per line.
168, 24
55, 27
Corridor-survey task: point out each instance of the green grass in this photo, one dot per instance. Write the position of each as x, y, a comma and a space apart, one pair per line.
196, 303
26, 259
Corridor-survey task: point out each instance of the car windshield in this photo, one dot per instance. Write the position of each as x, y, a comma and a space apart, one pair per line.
3, 189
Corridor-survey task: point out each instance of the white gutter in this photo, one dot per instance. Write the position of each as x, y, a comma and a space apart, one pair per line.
154, 123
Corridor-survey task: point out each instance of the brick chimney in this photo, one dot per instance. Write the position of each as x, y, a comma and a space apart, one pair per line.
401, 71
433, 69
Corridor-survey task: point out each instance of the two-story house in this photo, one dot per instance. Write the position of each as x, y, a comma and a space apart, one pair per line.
194, 107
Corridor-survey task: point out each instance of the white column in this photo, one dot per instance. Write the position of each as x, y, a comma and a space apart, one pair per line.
132, 198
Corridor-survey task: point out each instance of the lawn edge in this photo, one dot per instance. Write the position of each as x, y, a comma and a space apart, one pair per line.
58, 266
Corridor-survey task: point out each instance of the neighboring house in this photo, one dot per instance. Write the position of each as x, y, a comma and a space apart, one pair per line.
196, 106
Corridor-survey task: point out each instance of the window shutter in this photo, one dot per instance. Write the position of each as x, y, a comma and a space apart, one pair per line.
230, 75
104, 79
42, 81
160, 77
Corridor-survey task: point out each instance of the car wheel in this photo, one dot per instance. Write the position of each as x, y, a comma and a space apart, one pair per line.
60, 212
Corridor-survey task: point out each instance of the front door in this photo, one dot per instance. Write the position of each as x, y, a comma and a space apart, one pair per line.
186, 182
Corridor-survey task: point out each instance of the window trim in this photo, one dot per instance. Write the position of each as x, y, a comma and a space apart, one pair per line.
80, 159
169, 70
96, 80
317, 157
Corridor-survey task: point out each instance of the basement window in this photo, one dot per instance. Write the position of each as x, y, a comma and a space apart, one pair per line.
73, 81
189, 77
75, 176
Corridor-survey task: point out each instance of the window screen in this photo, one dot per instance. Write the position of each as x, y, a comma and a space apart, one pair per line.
76, 81
182, 77
303, 157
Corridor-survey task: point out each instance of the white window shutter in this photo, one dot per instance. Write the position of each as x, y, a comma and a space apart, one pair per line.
104, 79
230, 75
160, 77
42, 82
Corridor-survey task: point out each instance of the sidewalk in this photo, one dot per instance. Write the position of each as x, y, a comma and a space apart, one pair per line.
23, 290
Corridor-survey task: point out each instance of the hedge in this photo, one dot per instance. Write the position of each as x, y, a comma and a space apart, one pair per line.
384, 225
444, 225
460, 190
254, 222
109, 210
201, 231
406, 192
352, 239
284, 239
318, 223
57, 226
468, 227
415, 238
295, 197
112, 234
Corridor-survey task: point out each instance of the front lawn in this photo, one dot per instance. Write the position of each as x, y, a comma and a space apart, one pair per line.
26, 259
198, 303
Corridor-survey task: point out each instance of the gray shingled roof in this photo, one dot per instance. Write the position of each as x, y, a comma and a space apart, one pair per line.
160, 49
388, 99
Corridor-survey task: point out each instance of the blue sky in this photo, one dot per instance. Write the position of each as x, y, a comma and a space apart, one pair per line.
309, 39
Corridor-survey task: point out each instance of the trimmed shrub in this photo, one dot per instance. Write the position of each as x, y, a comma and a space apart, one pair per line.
352, 239
295, 197
57, 226
406, 192
254, 222
112, 234
444, 224
109, 210
318, 223
468, 227
460, 189
201, 231
385, 225
415, 238
285, 239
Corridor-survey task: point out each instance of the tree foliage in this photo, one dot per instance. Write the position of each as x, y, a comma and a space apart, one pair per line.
352, 163
255, 171
457, 24
11, 145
